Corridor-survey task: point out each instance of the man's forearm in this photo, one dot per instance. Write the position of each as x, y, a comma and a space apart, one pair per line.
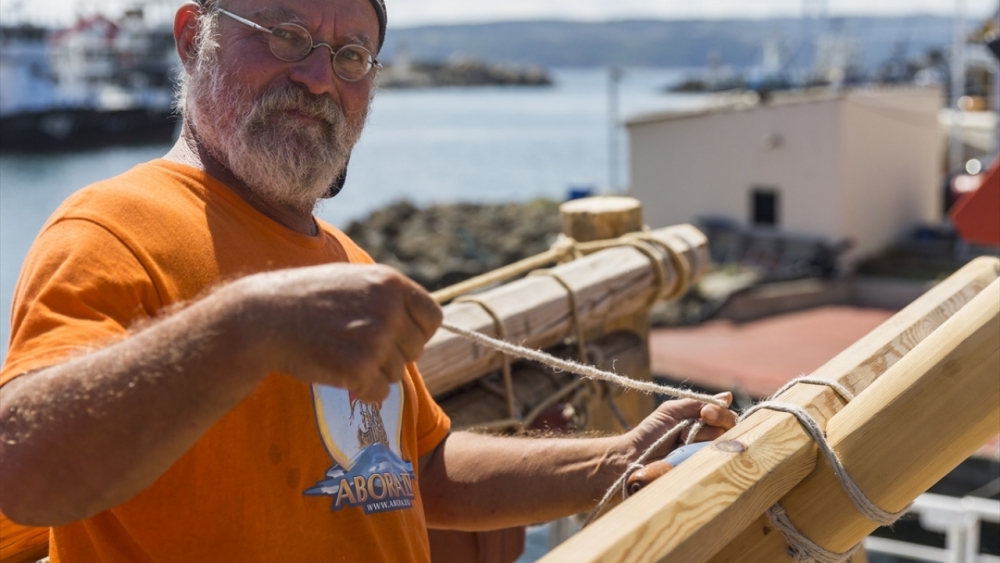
88, 434
474, 482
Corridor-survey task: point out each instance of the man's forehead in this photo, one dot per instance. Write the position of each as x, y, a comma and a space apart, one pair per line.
289, 10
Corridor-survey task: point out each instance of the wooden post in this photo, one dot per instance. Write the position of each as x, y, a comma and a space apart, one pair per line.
600, 218
692, 512
926, 415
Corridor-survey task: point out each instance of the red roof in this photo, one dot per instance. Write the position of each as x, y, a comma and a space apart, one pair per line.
759, 356
977, 214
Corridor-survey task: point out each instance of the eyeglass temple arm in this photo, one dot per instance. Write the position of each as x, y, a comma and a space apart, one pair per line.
245, 21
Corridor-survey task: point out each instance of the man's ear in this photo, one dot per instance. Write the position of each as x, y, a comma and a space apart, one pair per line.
186, 32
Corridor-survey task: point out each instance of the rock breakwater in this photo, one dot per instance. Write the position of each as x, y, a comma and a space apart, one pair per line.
441, 245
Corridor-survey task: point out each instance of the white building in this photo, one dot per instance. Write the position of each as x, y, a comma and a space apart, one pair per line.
860, 165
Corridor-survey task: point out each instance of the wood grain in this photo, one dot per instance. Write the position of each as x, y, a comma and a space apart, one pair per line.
599, 218
928, 413
696, 509
20, 544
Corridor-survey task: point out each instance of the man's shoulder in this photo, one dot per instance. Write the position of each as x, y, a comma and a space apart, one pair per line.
147, 188
156, 182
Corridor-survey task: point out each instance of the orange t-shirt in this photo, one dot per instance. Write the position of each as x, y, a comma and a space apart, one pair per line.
295, 472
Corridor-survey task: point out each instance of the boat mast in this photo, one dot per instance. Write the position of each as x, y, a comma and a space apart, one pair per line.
955, 163
614, 78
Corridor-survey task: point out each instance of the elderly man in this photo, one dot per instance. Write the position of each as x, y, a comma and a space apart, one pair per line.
200, 370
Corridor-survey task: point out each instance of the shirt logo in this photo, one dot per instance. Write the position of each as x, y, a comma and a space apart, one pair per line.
363, 441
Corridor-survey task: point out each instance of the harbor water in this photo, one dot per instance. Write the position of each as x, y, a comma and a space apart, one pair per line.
442, 145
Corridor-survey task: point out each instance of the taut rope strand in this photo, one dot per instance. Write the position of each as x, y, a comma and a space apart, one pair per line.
578, 368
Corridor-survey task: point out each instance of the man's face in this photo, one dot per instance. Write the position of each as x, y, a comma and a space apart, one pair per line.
284, 129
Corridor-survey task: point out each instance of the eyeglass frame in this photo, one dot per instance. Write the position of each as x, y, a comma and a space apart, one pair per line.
374, 64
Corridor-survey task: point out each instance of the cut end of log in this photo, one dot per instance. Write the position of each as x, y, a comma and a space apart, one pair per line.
600, 218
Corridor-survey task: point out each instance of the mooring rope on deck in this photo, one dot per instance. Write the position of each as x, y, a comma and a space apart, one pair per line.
803, 550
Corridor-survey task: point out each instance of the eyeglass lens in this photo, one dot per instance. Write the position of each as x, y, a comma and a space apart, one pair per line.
291, 42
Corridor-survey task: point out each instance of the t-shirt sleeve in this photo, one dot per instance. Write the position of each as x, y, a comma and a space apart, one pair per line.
80, 289
432, 422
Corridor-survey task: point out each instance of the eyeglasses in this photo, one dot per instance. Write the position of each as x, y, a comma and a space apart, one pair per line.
291, 43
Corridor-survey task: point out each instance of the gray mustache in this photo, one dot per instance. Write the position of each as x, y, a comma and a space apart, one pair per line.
294, 98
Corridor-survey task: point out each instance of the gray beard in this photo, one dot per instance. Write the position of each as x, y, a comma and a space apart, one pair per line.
282, 159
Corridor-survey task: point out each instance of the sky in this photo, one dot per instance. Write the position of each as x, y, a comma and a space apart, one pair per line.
407, 13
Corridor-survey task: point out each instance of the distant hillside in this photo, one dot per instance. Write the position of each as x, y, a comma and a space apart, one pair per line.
663, 43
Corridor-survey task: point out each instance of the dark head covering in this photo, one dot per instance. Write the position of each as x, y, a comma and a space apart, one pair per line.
379, 6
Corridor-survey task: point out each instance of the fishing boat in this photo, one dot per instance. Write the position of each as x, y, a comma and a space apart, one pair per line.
99, 82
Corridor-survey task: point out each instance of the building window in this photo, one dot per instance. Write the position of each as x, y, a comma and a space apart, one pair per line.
764, 207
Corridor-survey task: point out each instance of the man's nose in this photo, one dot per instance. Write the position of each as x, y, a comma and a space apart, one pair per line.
315, 71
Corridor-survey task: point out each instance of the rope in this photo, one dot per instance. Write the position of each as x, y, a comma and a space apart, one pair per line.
574, 310
501, 330
803, 549
590, 372
679, 263
809, 424
581, 342
566, 248
562, 249
636, 465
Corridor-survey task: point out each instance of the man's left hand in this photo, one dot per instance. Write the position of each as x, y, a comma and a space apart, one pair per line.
671, 413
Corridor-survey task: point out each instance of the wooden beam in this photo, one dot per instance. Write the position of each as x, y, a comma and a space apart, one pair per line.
696, 509
536, 312
927, 414
20, 544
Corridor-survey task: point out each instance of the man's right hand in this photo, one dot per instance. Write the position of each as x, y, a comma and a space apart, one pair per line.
346, 325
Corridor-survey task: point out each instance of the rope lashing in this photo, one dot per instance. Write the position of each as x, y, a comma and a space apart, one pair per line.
803, 549
581, 341
566, 248
508, 378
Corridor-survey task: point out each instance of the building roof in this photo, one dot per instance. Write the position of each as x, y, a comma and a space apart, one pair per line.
743, 101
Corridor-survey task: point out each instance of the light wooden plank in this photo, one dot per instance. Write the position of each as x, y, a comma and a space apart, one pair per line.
696, 509
926, 415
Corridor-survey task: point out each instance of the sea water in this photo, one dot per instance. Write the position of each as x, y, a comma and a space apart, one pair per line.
435, 145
